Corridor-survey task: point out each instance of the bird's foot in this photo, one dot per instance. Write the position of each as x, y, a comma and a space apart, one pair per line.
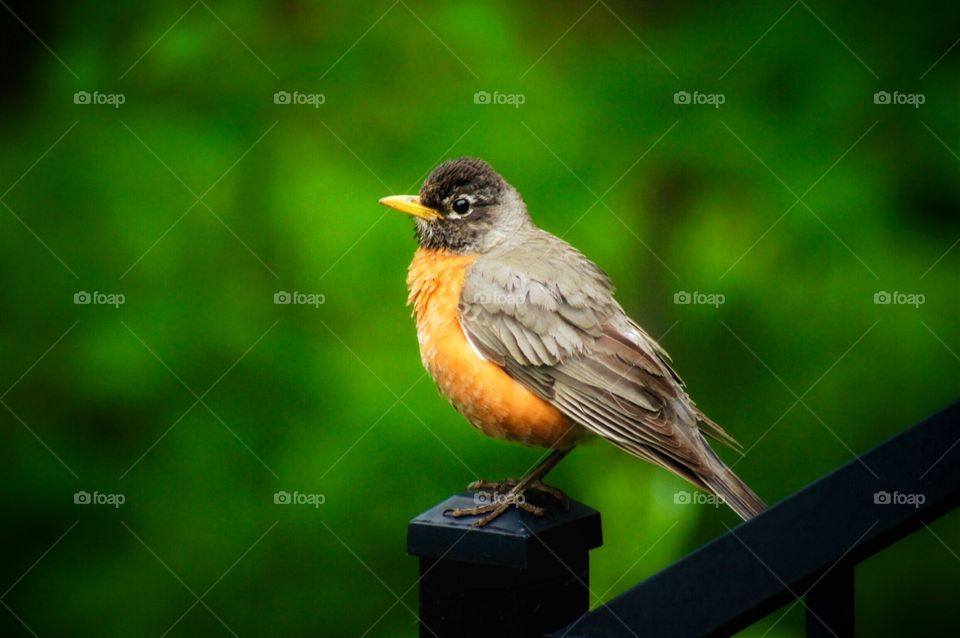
493, 498
491, 504
504, 486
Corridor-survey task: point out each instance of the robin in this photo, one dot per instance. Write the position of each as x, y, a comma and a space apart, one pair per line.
522, 334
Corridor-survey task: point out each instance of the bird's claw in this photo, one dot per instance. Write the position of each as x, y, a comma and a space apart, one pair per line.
496, 486
501, 503
506, 485
501, 496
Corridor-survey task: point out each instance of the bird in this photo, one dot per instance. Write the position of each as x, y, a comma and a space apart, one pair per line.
522, 334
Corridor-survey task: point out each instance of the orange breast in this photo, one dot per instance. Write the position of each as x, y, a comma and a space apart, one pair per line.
490, 399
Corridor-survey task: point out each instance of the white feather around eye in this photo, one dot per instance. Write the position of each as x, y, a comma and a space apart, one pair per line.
454, 215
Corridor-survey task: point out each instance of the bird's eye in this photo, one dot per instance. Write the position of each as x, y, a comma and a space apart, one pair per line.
461, 206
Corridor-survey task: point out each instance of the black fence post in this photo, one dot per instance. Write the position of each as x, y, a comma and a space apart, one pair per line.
830, 604
519, 576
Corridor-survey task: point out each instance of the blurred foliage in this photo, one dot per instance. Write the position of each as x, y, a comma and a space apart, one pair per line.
199, 398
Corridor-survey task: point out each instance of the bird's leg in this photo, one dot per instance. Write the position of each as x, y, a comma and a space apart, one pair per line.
515, 492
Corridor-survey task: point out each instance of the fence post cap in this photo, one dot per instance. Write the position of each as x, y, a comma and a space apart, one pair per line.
516, 539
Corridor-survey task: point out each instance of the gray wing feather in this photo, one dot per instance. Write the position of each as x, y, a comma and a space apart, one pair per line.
546, 314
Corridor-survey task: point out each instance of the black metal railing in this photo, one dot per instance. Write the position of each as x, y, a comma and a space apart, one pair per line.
803, 548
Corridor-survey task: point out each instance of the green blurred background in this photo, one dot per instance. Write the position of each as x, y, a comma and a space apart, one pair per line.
199, 397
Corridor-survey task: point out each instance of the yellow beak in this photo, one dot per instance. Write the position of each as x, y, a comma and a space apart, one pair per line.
410, 205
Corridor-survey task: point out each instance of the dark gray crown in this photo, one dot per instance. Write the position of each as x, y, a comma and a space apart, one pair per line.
463, 175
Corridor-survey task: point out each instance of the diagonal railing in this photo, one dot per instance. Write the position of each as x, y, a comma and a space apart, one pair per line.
804, 548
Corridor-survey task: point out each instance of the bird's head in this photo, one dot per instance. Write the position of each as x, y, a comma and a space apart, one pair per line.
464, 207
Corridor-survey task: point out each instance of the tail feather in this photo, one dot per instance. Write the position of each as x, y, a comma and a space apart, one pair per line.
712, 429
735, 493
